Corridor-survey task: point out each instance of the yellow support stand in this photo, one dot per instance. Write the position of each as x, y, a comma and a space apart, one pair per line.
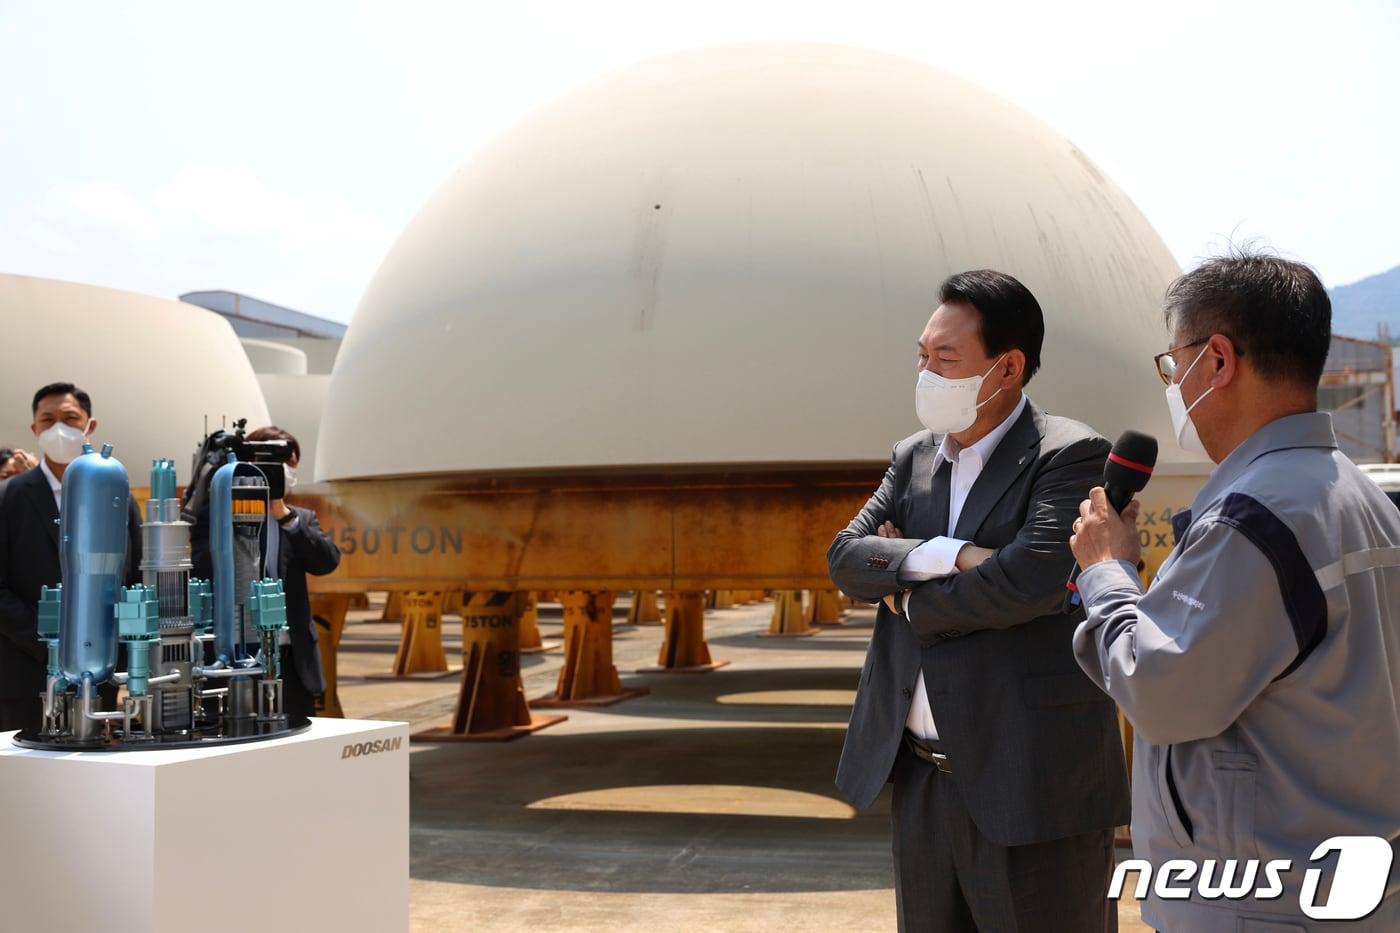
644, 609
420, 655
824, 607
328, 613
588, 677
491, 703
393, 607
684, 650
531, 642
719, 599
789, 619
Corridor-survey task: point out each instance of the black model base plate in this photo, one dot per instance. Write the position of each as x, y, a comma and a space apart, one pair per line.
235, 733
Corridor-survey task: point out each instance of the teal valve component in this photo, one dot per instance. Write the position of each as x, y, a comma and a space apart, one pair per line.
50, 611
201, 601
138, 624
268, 606
162, 479
138, 613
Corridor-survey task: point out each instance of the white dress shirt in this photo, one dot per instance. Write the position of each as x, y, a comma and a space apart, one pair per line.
54, 483
937, 557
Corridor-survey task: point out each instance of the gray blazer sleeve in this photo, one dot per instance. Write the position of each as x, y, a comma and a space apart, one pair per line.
1213, 628
1025, 579
862, 564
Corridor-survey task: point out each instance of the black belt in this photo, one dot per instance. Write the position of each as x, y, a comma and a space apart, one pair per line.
931, 752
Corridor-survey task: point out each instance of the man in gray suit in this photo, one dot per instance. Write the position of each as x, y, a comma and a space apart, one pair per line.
1008, 769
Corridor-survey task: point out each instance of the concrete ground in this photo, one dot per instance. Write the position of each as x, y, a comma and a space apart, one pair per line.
707, 805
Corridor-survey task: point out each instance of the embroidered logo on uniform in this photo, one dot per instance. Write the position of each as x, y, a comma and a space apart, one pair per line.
1182, 597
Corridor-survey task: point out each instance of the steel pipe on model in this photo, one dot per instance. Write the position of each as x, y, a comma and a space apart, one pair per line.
93, 533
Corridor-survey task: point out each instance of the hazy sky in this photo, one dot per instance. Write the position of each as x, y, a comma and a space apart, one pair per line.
277, 149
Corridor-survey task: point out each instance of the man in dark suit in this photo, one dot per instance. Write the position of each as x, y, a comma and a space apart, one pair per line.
298, 547
29, 548
1008, 769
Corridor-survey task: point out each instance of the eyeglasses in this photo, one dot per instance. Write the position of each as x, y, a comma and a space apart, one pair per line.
1166, 364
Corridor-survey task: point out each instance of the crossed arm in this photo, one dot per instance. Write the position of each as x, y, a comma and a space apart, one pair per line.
1012, 585
968, 556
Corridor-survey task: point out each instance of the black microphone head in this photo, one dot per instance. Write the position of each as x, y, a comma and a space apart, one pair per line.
1130, 463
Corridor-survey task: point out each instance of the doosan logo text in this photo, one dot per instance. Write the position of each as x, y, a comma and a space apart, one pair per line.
356, 749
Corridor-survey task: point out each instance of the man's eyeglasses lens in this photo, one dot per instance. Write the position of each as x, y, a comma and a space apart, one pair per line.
1166, 364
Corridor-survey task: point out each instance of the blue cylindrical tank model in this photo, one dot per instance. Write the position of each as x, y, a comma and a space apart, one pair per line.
222, 552
93, 557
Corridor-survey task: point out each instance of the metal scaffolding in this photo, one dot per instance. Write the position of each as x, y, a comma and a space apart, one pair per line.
1358, 388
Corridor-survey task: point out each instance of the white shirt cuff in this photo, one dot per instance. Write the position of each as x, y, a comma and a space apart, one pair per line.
905, 604
936, 557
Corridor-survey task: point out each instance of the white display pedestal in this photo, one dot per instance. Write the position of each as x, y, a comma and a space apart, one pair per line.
298, 834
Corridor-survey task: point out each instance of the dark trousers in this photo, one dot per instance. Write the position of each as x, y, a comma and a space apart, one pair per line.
296, 699
26, 715
950, 878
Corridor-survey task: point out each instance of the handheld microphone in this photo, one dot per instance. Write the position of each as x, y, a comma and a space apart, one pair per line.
1127, 471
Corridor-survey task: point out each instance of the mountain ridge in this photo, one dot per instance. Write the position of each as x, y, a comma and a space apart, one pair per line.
1357, 308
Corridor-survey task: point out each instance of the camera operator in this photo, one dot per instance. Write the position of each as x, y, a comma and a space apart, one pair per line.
295, 546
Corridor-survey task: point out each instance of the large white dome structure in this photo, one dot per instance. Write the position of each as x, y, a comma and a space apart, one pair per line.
296, 403
725, 257
154, 367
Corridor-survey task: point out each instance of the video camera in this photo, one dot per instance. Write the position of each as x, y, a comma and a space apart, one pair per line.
270, 457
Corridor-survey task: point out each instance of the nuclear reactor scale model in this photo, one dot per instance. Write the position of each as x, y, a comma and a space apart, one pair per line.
202, 662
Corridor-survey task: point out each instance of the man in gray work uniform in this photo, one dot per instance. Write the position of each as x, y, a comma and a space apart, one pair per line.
1260, 669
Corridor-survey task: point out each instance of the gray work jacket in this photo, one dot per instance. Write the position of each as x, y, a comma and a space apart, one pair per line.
1260, 672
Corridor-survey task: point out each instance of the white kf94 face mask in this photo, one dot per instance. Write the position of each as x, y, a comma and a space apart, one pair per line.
1182, 425
947, 406
62, 443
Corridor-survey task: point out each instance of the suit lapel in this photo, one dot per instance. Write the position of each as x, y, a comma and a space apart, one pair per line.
41, 497
1008, 461
928, 494
920, 482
